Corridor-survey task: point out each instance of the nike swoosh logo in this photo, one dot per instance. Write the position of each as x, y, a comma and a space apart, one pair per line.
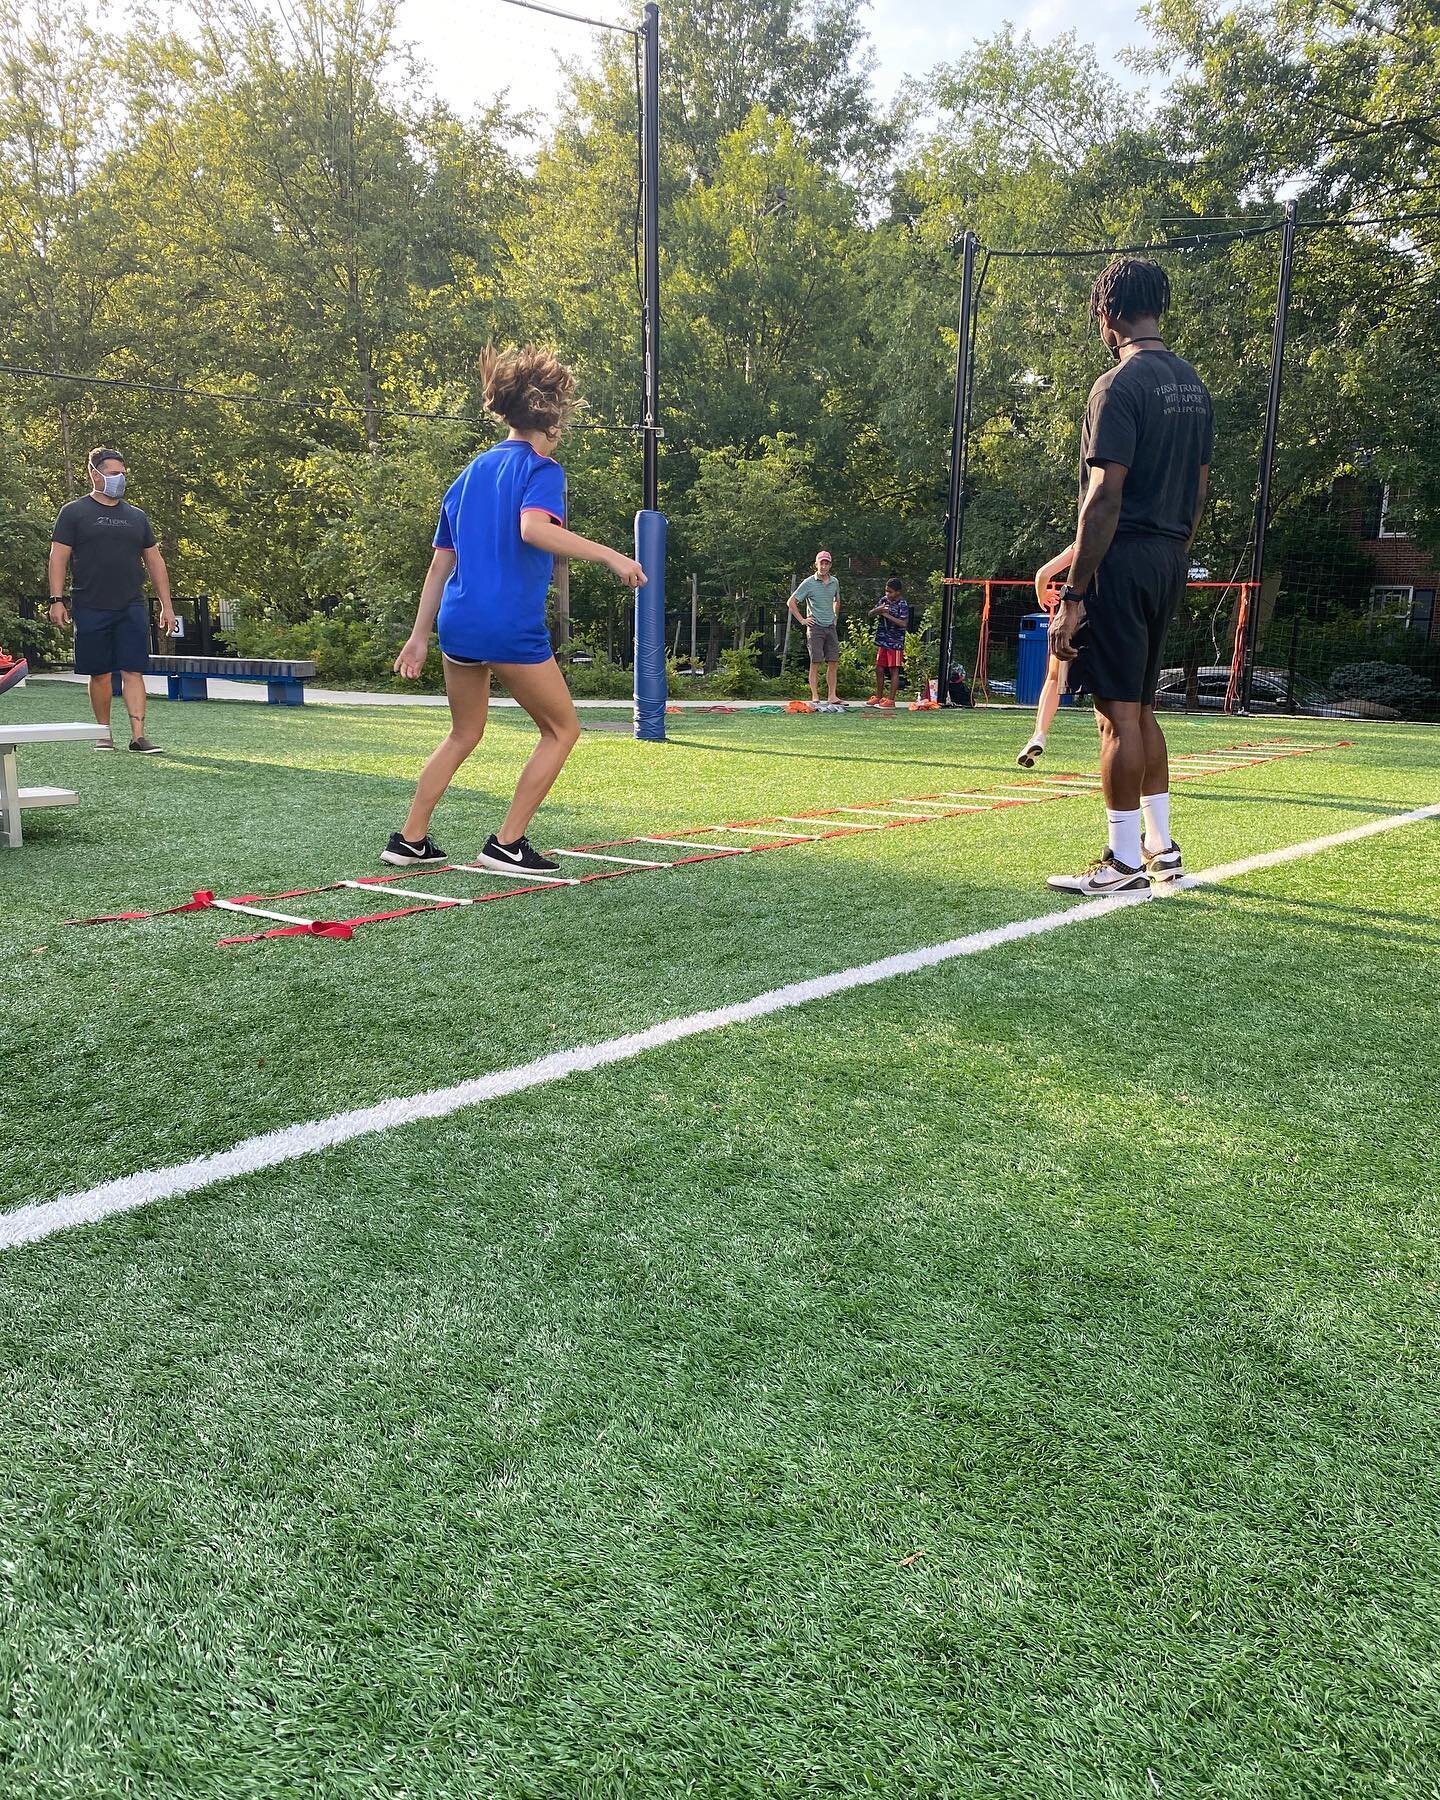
514, 856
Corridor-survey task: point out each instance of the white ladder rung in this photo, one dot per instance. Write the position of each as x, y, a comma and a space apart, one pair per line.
845, 825
261, 912
881, 812
514, 874
760, 831
376, 887
686, 844
635, 862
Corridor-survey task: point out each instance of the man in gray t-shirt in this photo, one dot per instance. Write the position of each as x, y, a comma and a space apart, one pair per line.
819, 595
1145, 450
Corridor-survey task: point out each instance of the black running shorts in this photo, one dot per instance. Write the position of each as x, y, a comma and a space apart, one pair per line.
1128, 609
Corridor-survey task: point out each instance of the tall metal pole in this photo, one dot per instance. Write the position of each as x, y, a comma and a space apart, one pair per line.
1267, 454
650, 324
959, 434
650, 523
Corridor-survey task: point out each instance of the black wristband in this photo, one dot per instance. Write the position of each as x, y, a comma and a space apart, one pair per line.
1070, 593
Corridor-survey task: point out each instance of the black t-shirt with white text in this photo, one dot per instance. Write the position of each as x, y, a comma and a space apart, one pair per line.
105, 544
1152, 413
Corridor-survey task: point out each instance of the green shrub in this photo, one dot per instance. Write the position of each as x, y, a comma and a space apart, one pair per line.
738, 676
347, 648
1391, 684
36, 640
855, 675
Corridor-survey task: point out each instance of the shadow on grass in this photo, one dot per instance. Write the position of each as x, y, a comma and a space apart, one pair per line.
1335, 913
1320, 802
817, 753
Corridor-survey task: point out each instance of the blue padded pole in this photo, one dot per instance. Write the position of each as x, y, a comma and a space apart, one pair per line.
651, 530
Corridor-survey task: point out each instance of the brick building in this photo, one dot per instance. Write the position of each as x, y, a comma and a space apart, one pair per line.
1407, 575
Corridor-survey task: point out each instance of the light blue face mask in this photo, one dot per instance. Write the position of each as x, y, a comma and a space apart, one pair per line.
114, 486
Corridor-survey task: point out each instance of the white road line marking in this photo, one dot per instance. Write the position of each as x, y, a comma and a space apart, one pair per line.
43, 1218
371, 887
635, 862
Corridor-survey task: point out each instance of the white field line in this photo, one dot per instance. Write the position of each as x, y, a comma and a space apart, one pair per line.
43, 1218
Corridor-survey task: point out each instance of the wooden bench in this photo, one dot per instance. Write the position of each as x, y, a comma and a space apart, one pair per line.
188, 677
12, 796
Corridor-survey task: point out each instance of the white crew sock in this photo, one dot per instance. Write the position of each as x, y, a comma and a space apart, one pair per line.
1039, 737
1124, 836
1156, 808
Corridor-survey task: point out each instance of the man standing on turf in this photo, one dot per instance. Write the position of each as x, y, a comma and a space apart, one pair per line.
820, 595
108, 548
1145, 450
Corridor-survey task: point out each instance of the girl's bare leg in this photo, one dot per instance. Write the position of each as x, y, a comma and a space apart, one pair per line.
1049, 699
540, 688
467, 687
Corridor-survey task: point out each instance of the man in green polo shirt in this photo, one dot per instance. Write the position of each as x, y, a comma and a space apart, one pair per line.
819, 596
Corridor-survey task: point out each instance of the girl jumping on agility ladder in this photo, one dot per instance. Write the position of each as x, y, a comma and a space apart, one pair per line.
502, 524
1047, 592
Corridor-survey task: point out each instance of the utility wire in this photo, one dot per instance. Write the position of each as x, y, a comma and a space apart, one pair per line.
556, 12
1174, 243
21, 372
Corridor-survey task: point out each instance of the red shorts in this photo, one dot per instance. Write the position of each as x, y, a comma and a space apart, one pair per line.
889, 659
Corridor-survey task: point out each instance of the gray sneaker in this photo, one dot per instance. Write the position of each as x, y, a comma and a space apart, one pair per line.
143, 747
105, 743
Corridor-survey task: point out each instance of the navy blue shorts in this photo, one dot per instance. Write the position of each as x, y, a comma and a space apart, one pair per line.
110, 638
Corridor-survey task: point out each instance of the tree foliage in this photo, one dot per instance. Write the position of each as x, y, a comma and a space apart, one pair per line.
272, 207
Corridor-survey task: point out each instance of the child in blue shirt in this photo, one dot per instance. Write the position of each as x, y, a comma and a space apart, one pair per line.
892, 617
502, 524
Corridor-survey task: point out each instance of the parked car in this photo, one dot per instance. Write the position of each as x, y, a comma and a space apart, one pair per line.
1269, 692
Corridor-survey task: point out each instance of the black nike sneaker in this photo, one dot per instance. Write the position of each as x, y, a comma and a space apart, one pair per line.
520, 858
407, 855
1164, 865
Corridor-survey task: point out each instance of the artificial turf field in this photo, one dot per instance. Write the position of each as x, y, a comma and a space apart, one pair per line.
1019, 1378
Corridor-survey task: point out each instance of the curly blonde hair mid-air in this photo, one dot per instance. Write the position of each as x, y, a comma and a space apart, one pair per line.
530, 388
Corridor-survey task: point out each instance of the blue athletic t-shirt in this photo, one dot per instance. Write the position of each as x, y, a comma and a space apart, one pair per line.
493, 607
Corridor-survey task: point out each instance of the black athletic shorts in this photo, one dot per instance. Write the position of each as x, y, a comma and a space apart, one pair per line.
111, 639
1128, 609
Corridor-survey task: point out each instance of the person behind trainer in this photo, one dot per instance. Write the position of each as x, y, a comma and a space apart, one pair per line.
108, 548
820, 593
1145, 451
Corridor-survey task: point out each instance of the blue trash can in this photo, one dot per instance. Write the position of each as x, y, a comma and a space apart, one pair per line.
1034, 654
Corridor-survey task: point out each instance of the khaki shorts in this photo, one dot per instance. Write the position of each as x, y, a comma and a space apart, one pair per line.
823, 642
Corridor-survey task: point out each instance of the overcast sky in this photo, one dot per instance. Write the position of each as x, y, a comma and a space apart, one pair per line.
486, 46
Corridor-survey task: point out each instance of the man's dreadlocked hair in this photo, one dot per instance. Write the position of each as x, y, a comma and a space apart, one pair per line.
1130, 288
